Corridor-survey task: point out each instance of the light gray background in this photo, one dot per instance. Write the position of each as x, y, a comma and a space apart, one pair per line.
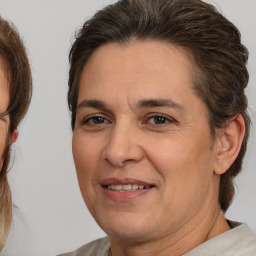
51, 217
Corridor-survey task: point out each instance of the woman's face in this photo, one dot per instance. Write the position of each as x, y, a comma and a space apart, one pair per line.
4, 100
142, 145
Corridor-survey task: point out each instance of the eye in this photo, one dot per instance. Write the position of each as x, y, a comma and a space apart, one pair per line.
95, 120
160, 120
2, 116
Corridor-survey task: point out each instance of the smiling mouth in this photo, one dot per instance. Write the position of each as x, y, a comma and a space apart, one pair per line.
127, 187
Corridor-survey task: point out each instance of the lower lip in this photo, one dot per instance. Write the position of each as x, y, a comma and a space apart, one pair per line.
124, 196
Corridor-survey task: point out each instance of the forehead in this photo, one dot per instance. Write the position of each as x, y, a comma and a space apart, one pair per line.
137, 64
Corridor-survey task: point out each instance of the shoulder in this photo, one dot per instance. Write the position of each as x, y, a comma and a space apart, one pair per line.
246, 242
98, 247
239, 241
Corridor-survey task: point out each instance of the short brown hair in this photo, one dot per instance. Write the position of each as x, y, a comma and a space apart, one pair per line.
14, 57
219, 57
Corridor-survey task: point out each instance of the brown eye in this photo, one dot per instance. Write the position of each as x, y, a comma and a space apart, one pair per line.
159, 120
94, 120
97, 120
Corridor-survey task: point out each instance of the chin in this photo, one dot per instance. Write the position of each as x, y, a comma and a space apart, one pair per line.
128, 226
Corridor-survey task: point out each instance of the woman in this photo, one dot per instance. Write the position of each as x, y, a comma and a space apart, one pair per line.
159, 113
15, 95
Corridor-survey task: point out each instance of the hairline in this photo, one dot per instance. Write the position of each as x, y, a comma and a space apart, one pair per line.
197, 74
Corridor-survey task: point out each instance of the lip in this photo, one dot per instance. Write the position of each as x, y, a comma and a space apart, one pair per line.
126, 196
116, 181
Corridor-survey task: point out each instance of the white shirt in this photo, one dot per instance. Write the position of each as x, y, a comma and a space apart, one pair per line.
239, 241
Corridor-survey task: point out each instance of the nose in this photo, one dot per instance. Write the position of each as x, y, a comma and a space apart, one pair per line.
123, 146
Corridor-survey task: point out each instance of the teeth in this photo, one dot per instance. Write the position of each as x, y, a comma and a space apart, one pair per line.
115, 187
135, 186
126, 187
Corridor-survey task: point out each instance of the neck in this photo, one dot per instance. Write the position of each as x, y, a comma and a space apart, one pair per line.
188, 237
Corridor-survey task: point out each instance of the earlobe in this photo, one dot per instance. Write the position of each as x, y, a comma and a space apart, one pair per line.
14, 136
230, 140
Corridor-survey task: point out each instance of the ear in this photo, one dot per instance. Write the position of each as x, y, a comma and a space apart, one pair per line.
14, 136
229, 141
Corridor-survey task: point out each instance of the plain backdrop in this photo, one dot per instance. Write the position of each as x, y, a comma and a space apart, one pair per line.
50, 216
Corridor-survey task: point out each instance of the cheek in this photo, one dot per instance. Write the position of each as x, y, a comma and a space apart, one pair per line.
2, 146
84, 149
185, 164
2, 149
187, 181
86, 153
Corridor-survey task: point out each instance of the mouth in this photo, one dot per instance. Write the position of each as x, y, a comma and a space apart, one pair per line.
123, 190
127, 187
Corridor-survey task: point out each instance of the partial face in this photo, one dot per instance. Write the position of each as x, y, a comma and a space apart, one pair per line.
142, 144
4, 100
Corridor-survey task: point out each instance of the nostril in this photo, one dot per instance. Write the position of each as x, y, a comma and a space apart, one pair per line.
126, 161
121, 150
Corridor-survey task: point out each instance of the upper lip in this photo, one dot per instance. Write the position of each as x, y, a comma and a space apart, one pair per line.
124, 181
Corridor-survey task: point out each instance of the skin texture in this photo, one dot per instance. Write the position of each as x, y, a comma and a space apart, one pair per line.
4, 100
138, 117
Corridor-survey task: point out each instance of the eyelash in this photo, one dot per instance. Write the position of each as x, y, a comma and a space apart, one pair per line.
86, 121
163, 117
90, 120
2, 117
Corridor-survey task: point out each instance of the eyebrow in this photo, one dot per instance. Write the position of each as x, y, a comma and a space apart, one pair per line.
143, 103
91, 104
149, 103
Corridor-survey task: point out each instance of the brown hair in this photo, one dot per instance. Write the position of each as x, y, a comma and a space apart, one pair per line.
219, 57
14, 57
